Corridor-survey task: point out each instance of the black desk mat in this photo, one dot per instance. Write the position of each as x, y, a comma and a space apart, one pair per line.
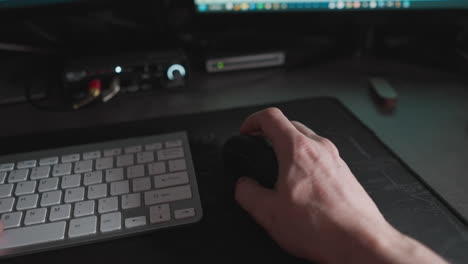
227, 234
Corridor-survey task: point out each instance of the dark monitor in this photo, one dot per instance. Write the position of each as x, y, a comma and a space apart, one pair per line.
31, 3
322, 5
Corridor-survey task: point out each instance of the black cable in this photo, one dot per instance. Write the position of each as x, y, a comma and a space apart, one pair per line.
52, 107
41, 32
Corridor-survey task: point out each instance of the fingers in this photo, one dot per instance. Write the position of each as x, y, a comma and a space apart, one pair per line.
273, 125
311, 134
305, 130
256, 200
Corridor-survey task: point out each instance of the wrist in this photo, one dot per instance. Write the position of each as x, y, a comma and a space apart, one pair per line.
371, 245
360, 242
387, 245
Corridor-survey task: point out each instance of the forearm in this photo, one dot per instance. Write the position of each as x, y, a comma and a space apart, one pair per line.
388, 246
405, 249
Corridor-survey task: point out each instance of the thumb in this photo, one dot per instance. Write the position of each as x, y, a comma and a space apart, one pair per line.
256, 200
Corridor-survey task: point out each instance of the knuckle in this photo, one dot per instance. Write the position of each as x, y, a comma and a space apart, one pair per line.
303, 148
329, 145
272, 112
325, 142
294, 122
301, 143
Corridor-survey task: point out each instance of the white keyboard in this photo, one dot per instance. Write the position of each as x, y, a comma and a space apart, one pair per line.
88, 193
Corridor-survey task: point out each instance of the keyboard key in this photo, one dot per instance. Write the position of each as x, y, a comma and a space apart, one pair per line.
51, 198
118, 188
6, 204
168, 195
71, 181
35, 216
84, 208
90, 192
131, 201
104, 163
145, 157
83, 166
141, 184
114, 175
177, 165
40, 172
172, 153
74, 195
31, 235
154, 146
133, 149
60, 212
184, 213
18, 175
27, 187
82, 226
2, 177
26, 164
48, 184
61, 169
5, 190
108, 205
11, 220
91, 155
48, 161
27, 202
111, 222
70, 158
112, 152
171, 179
160, 213
92, 177
135, 221
173, 143
135, 171
124, 160
97, 191
7, 166
156, 168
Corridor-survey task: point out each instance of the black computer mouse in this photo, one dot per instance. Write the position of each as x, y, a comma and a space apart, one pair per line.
251, 156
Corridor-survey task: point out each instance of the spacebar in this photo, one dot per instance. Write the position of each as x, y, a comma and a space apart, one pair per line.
31, 235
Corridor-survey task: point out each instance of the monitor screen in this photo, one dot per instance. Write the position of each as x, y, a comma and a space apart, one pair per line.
29, 3
321, 5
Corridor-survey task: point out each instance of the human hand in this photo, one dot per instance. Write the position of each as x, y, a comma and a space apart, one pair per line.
318, 210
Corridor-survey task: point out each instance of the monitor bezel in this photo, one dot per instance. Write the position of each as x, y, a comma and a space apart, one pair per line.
53, 9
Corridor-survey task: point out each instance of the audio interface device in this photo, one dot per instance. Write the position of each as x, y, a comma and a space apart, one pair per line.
134, 72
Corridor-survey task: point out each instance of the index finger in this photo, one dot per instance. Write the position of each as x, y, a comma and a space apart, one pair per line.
274, 125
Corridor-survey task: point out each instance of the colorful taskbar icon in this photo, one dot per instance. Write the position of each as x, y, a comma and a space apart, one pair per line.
222, 6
